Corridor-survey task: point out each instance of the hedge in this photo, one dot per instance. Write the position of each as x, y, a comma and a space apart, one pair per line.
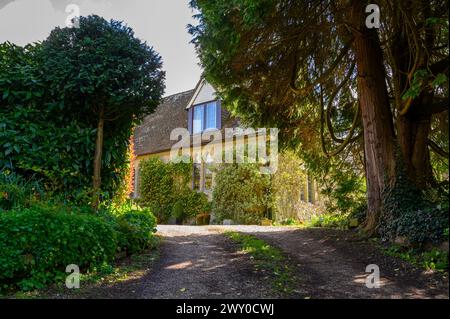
165, 189
135, 228
37, 243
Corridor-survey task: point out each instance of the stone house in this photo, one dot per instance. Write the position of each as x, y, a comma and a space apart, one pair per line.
196, 110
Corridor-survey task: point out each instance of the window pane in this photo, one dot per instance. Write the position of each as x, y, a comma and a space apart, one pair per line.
211, 115
197, 125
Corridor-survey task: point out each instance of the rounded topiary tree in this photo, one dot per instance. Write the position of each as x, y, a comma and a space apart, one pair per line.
105, 76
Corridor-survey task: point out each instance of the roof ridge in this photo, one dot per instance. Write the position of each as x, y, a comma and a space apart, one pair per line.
182, 92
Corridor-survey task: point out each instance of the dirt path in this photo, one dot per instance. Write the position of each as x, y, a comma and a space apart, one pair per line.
332, 263
200, 262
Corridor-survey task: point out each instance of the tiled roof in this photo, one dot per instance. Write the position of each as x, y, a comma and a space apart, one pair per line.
153, 135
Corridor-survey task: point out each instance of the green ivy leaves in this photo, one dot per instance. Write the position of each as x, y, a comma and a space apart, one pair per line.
421, 79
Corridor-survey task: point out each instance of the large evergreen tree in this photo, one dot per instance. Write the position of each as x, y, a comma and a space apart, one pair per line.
314, 63
103, 75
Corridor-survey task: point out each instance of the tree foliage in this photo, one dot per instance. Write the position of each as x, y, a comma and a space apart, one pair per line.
241, 193
103, 75
165, 189
333, 86
50, 96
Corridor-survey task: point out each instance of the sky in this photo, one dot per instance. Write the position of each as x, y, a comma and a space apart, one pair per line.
161, 23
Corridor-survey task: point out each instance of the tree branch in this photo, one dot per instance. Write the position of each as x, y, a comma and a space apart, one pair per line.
435, 148
350, 138
440, 66
323, 77
330, 104
439, 106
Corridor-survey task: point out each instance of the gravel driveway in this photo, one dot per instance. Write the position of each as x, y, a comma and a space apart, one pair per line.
200, 262
332, 263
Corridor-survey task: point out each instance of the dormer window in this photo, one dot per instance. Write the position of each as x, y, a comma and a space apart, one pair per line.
205, 117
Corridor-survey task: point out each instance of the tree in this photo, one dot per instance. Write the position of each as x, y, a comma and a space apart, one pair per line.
283, 62
103, 75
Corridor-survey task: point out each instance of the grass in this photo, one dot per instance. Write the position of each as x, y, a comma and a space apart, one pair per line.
339, 221
434, 259
267, 259
290, 222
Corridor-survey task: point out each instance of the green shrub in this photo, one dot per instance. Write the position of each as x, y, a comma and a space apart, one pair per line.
241, 193
162, 184
190, 204
37, 243
43, 135
416, 215
287, 184
345, 192
137, 228
194, 203
178, 211
330, 221
165, 189
419, 226
433, 259
15, 191
134, 227
156, 187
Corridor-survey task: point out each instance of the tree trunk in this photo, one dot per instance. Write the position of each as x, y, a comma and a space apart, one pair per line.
413, 128
376, 115
97, 180
413, 136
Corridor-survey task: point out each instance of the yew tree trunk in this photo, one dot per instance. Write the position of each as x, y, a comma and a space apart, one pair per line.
413, 134
413, 127
376, 115
97, 179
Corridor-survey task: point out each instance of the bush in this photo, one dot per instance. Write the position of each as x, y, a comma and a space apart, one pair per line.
287, 184
161, 185
15, 191
190, 204
178, 211
241, 193
42, 136
413, 214
194, 203
419, 226
37, 243
339, 221
345, 192
165, 189
134, 227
